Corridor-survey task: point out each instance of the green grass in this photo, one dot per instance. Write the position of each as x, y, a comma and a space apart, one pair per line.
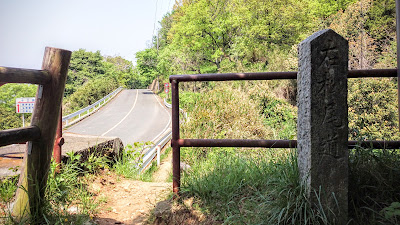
8, 186
67, 198
130, 162
261, 186
265, 189
374, 186
251, 190
147, 176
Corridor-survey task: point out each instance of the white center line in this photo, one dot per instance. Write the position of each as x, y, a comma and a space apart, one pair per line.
169, 116
137, 93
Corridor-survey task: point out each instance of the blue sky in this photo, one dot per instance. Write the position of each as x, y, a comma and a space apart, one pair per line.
115, 27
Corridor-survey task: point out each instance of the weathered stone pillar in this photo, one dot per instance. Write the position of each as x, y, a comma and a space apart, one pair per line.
322, 121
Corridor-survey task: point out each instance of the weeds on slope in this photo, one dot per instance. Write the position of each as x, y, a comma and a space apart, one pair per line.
243, 189
251, 190
374, 180
67, 197
130, 162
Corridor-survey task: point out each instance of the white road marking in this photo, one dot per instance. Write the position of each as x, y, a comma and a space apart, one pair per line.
166, 127
134, 104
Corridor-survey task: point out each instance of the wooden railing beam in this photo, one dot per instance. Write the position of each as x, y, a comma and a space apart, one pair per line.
19, 135
16, 75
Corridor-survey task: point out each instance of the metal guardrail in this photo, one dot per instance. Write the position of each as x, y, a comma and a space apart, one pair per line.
152, 153
184, 113
95, 106
167, 104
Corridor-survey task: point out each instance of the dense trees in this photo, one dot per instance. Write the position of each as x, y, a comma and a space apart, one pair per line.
221, 35
90, 77
211, 36
202, 36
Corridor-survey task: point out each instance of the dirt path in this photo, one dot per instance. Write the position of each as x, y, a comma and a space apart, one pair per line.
165, 170
130, 201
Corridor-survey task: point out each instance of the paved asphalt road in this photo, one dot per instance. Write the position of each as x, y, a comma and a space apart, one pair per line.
133, 115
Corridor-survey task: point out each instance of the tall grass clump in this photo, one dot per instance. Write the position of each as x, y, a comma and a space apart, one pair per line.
374, 193
225, 111
240, 189
129, 163
67, 198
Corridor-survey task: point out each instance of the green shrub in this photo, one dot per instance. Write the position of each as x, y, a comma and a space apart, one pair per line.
130, 161
373, 109
280, 117
90, 92
221, 113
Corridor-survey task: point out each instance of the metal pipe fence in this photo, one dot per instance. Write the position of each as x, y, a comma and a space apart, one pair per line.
177, 143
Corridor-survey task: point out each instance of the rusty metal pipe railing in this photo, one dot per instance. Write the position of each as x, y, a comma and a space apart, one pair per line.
372, 73
275, 75
177, 143
237, 143
234, 76
398, 54
58, 142
243, 143
176, 158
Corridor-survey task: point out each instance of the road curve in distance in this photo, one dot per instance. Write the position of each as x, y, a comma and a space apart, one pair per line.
134, 115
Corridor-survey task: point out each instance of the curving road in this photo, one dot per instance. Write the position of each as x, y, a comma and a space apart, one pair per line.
133, 115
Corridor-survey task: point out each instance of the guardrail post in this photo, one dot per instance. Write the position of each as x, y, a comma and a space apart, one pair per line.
33, 178
323, 122
158, 155
176, 160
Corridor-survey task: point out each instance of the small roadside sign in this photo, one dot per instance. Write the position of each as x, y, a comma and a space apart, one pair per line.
25, 105
166, 87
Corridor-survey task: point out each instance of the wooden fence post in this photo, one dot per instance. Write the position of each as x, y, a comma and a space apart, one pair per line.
33, 178
323, 122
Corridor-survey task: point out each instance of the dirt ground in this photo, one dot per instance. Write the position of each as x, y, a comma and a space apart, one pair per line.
136, 202
130, 201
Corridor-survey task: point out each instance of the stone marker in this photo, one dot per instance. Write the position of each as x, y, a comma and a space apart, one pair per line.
322, 121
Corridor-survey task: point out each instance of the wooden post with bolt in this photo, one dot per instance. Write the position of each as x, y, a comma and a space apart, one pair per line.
33, 178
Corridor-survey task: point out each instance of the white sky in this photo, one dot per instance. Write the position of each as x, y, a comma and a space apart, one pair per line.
115, 27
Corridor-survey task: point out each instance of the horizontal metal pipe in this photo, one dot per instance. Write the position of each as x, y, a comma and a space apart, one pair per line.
274, 75
19, 135
16, 75
234, 76
372, 73
375, 144
275, 143
237, 143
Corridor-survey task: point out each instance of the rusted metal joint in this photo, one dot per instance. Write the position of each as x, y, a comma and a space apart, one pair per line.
60, 141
